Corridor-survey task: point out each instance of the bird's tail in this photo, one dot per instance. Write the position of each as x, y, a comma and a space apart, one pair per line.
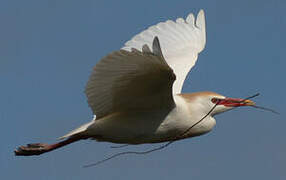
78, 130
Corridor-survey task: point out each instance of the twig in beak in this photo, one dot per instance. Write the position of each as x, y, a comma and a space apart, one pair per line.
266, 109
260, 107
250, 97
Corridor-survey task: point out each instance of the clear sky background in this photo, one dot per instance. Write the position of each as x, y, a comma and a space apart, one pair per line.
48, 49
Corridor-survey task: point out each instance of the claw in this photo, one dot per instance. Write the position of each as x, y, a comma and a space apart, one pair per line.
32, 149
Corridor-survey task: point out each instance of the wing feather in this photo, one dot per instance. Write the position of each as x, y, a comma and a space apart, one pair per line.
124, 81
181, 41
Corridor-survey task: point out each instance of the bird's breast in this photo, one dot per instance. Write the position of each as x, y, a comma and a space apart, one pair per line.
183, 117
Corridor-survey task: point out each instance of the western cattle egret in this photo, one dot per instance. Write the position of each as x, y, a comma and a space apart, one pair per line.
135, 92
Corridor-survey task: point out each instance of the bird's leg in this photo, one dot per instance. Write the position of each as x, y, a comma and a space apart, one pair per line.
40, 148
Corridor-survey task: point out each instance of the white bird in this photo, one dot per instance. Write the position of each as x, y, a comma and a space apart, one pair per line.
135, 93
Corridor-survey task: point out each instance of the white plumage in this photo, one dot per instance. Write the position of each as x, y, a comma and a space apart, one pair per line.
181, 42
135, 92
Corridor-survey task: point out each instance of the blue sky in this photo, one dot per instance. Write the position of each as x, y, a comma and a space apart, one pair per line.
48, 49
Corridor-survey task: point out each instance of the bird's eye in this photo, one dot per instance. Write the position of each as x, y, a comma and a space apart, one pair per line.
214, 100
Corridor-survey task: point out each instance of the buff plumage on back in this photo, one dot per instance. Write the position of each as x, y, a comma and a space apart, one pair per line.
181, 41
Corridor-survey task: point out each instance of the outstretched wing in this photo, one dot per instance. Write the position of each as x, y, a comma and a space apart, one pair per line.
181, 41
124, 81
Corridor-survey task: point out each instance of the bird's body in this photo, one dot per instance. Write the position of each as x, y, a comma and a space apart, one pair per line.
136, 95
150, 126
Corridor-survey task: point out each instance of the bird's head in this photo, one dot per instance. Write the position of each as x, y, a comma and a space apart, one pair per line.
205, 102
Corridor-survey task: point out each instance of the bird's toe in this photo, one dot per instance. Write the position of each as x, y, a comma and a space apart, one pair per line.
31, 149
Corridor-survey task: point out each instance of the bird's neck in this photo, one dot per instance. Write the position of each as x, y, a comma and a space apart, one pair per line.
190, 113
194, 103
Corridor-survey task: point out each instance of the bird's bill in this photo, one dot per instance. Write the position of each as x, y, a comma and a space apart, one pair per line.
236, 102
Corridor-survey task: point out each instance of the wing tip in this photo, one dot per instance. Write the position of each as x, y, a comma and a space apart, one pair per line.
200, 21
156, 47
190, 19
201, 12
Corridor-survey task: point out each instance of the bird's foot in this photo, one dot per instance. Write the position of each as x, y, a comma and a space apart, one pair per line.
32, 149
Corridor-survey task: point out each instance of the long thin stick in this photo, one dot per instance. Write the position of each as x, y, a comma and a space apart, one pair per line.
128, 152
163, 146
266, 109
119, 146
152, 150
